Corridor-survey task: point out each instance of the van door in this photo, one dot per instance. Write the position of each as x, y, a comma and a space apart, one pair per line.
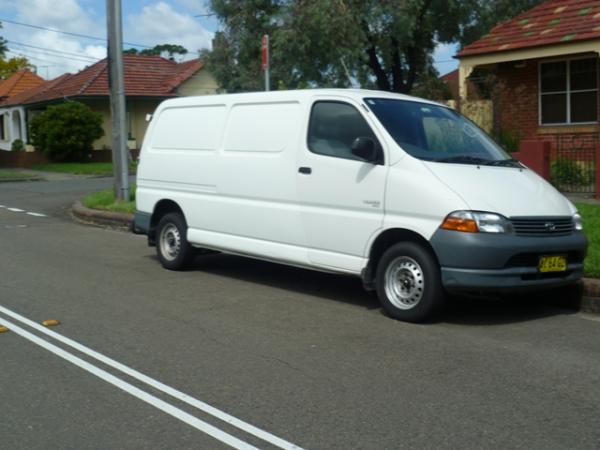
341, 196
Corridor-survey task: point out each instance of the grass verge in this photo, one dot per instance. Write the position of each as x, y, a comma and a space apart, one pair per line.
105, 200
92, 168
15, 175
591, 226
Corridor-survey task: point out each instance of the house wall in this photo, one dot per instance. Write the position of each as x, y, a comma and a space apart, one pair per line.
517, 105
136, 116
201, 83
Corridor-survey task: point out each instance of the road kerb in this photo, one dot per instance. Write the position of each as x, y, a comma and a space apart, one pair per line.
100, 217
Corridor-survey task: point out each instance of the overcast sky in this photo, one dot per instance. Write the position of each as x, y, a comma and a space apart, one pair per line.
146, 22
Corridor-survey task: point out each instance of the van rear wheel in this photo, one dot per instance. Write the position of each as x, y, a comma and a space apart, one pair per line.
172, 247
409, 283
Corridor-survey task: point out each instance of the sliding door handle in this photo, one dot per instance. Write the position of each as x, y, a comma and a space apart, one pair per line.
305, 170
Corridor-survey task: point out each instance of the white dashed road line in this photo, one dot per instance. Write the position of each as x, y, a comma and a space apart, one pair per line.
191, 420
18, 210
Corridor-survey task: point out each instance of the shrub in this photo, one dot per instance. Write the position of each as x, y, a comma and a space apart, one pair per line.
570, 172
66, 132
17, 145
508, 140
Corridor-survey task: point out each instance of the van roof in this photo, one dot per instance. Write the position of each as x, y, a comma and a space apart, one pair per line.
356, 94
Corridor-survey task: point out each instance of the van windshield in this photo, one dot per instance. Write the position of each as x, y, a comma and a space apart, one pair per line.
435, 133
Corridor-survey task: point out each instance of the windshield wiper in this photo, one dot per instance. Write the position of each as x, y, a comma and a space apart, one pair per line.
506, 163
463, 159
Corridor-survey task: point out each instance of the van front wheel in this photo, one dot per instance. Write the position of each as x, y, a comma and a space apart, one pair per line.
408, 283
172, 247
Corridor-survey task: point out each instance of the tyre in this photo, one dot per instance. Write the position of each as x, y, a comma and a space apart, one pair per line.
409, 283
172, 247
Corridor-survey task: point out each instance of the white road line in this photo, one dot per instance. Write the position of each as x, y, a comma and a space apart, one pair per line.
216, 433
18, 210
205, 407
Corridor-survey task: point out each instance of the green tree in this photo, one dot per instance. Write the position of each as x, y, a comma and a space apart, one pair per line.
3, 46
170, 50
387, 45
65, 132
12, 65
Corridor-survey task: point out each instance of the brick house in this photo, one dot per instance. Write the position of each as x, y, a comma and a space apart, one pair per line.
544, 63
148, 81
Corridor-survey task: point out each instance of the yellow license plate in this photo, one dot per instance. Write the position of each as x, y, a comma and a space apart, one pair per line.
552, 264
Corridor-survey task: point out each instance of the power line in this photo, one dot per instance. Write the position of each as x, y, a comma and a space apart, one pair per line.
29, 56
59, 57
60, 52
85, 36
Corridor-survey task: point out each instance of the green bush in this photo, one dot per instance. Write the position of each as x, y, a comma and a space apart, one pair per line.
570, 172
17, 145
66, 132
508, 140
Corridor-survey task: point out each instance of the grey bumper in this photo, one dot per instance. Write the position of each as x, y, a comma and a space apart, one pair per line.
141, 223
486, 262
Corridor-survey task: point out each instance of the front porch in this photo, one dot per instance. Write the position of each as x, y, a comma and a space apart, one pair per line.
12, 127
549, 96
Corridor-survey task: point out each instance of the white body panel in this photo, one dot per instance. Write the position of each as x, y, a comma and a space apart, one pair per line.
231, 163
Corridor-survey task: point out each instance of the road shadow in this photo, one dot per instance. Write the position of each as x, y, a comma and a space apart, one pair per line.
506, 309
341, 288
463, 310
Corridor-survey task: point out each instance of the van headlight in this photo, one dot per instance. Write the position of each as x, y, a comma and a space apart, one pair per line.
578, 222
476, 222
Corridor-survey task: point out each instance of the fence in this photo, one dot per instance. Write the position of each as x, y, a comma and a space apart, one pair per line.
479, 111
29, 159
573, 167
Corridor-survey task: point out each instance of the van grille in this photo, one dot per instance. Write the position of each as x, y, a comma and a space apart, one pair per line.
543, 226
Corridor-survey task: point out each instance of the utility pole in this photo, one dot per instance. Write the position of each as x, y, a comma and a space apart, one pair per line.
120, 152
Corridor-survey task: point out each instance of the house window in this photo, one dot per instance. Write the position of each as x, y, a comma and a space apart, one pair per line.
569, 91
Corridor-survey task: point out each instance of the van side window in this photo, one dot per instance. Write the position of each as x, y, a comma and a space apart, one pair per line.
333, 128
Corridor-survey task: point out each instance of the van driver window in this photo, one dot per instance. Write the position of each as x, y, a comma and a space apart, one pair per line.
333, 128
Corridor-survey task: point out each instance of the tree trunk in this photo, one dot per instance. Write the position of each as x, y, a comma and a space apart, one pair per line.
383, 83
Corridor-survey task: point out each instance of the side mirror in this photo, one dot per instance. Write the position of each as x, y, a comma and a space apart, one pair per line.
365, 148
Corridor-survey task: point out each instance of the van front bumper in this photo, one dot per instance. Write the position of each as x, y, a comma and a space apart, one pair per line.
500, 262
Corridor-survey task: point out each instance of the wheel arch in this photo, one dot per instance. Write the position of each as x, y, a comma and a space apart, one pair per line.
385, 240
162, 207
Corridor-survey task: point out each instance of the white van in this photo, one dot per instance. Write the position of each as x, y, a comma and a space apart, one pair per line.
405, 193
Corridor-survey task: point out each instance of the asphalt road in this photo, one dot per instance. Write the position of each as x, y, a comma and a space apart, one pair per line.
307, 358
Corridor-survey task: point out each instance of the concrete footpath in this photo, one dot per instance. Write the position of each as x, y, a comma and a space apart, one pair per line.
586, 301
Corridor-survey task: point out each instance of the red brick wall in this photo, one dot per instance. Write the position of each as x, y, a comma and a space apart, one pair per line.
21, 159
28, 159
517, 99
517, 103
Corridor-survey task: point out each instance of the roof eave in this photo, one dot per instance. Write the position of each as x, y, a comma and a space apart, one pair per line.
92, 97
537, 52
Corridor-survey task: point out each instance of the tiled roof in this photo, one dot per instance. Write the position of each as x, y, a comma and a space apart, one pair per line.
145, 76
25, 96
18, 82
552, 22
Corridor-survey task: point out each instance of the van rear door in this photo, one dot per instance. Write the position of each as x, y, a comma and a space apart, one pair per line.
341, 196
